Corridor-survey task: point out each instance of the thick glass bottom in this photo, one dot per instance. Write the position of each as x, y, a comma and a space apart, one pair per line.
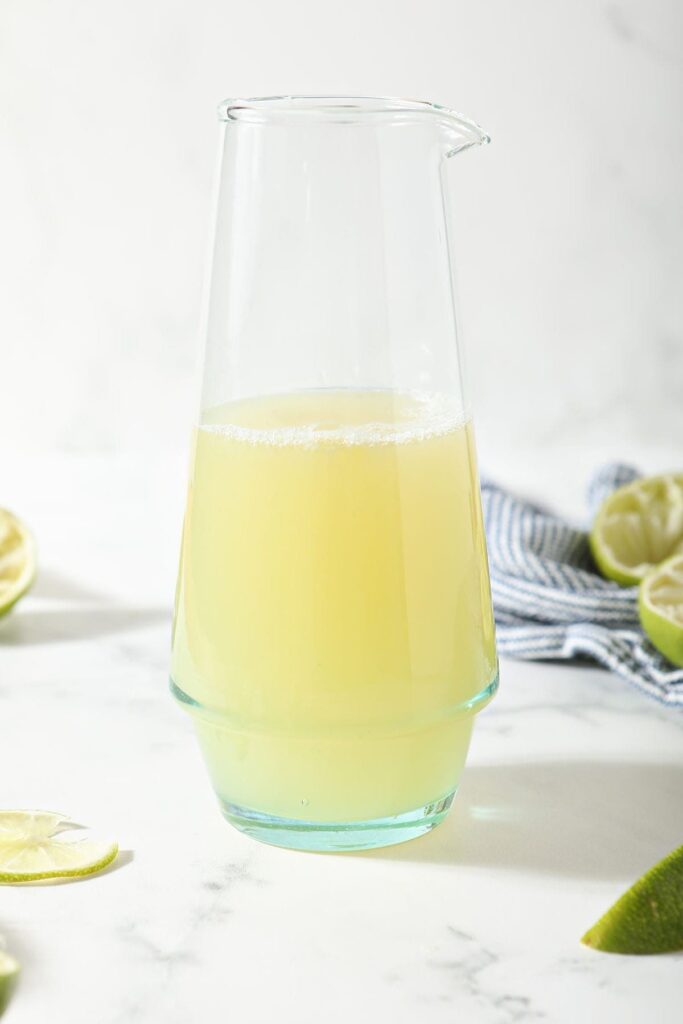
331, 837
317, 785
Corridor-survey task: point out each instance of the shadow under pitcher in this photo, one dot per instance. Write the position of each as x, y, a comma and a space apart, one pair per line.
333, 634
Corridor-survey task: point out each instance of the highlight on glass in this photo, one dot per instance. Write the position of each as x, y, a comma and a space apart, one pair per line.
333, 636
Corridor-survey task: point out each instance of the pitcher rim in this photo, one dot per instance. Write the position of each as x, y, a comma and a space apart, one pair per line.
346, 109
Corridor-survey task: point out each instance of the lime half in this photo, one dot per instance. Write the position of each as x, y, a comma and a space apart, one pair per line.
9, 972
17, 560
637, 527
660, 604
648, 918
33, 848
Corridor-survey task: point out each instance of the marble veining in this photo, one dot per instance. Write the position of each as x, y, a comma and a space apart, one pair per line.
467, 972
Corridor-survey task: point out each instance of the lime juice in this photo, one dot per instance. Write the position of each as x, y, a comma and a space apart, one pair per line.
333, 631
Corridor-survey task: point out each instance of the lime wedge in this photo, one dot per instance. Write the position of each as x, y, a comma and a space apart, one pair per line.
32, 848
648, 918
637, 527
9, 972
17, 560
660, 604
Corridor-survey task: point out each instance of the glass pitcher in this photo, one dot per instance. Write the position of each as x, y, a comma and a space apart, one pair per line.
333, 634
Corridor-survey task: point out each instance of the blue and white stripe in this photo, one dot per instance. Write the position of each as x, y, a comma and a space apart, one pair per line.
551, 603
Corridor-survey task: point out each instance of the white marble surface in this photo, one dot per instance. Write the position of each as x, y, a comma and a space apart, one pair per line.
570, 236
573, 789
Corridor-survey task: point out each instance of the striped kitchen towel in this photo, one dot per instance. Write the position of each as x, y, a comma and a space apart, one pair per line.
550, 601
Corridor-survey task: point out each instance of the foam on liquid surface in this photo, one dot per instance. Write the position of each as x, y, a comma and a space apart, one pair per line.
338, 417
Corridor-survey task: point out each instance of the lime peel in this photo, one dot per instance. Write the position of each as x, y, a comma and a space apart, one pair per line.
32, 850
648, 918
9, 973
660, 606
17, 560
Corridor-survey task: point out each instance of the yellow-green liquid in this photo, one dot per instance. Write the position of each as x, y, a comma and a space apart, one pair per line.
333, 614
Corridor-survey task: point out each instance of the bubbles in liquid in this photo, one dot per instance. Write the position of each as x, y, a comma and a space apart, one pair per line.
336, 417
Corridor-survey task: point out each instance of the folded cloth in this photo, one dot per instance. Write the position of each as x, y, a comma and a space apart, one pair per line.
549, 600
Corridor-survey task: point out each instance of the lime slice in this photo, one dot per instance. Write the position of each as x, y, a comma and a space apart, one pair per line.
660, 604
32, 848
17, 560
9, 972
648, 918
637, 527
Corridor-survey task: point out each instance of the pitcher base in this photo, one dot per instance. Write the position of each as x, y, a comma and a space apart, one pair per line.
331, 837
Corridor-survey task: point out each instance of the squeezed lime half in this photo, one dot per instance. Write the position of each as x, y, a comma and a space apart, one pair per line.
660, 606
17, 560
637, 527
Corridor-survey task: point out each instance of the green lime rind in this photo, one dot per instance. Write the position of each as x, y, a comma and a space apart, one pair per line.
32, 848
660, 614
18, 877
607, 567
9, 975
648, 918
7, 606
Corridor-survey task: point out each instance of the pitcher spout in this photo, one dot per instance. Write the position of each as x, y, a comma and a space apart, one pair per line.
458, 132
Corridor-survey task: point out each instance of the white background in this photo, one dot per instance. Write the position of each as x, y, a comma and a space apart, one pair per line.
571, 242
